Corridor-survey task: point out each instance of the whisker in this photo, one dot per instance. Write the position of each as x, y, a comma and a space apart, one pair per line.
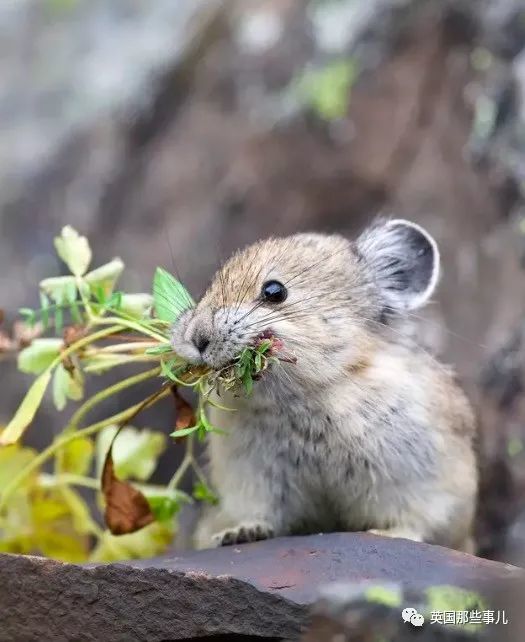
443, 327
310, 267
285, 307
261, 302
255, 307
174, 266
246, 281
170, 301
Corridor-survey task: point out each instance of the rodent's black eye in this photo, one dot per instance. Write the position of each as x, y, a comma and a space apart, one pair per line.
274, 292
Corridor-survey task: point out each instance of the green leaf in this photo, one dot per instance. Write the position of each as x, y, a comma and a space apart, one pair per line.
44, 309
62, 289
163, 507
66, 385
264, 346
60, 384
75, 312
115, 301
105, 277
204, 494
59, 320
74, 250
136, 305
247, 382
166, 369
135, 452
39, 355
160, 349
28, 315
26, 411
99, 294
147, 542
170, 297
183, 432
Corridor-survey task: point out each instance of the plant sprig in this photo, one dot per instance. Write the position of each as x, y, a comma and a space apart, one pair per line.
104, 328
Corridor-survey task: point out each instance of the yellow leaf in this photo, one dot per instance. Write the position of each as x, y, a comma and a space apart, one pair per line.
17, 523
74, 250
65, 547
79, 511
48, 507
76, 456
26, 411
148, 542
60, 522
12, 460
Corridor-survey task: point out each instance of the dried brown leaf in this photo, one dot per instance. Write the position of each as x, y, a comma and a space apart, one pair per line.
185, 413
73, 333
127, 510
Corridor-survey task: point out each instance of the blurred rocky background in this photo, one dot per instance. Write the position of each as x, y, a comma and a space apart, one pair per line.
173, 132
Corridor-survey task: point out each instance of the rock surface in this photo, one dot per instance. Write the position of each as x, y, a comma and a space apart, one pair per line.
263, 589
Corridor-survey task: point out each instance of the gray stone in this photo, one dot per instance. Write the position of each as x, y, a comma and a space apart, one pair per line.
263, 589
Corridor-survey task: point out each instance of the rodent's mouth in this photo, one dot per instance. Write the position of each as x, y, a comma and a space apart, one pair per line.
252, 361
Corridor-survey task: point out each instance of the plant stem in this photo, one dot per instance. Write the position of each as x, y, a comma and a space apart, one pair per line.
70, 478
108, 361
85, 300
133, 325
186, 463
67, 438
199, 472
84, 342
125, 347
108, 392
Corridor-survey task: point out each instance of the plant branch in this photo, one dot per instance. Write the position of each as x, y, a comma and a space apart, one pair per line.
187, 462
108, 392
133, 325
70, 478
59, 443
91, 338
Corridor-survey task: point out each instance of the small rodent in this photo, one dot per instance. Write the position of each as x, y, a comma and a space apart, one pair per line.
366, 430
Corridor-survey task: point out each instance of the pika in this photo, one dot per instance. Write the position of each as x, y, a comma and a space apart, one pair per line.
365, 430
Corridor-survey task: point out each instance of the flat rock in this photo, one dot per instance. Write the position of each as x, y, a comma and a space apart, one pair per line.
263, 589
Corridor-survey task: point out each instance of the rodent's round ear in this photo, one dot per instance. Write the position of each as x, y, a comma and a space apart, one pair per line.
405, 261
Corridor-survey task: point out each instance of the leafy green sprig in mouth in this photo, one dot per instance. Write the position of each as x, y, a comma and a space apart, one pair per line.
237, 377
96, 329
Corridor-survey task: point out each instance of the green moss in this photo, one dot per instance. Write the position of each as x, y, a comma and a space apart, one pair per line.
451, 598
383, 595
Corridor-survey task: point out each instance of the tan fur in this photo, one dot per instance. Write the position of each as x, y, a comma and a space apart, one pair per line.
365, 431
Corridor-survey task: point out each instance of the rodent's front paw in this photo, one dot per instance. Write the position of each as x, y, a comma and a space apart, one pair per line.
243, 533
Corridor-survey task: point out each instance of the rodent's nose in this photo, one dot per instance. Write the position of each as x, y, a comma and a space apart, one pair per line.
200, 340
